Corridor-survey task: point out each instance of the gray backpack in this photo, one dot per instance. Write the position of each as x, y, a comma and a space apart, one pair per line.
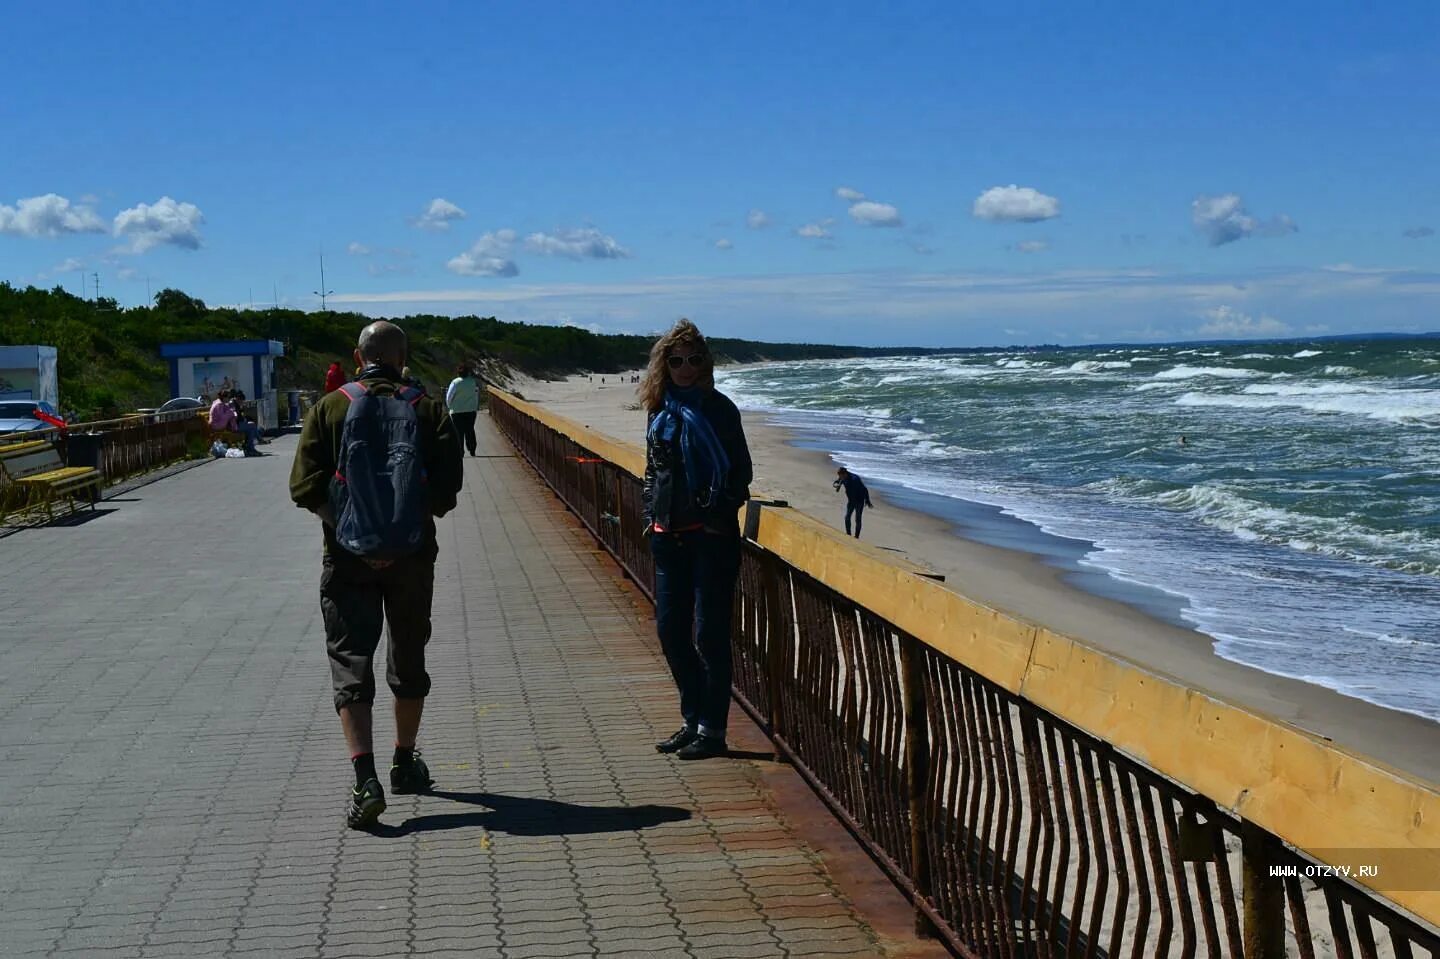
379, 492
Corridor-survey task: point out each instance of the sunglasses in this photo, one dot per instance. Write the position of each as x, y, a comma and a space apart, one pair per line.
695, 359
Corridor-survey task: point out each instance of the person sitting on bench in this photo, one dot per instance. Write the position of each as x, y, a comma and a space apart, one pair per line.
223, 417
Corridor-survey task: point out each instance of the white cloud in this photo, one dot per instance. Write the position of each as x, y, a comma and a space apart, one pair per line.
579, 243
870, 213
849, 195
439, 215
1226, 322
163, 222
68, 265
1015, 204
1032, 246
128, 273
1223, 219
814, 231
48, 215
487, 256
358, 249
724, 244
757, 219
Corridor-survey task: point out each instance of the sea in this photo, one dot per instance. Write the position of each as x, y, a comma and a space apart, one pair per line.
1297, 523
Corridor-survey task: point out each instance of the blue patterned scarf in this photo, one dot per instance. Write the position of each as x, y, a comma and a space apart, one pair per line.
706, 464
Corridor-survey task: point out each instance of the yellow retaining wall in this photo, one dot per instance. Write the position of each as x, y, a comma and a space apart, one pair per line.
1314, 795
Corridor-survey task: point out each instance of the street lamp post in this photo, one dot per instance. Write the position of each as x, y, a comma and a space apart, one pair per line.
322, 292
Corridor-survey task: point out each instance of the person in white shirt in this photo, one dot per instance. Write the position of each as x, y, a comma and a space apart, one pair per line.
462, 397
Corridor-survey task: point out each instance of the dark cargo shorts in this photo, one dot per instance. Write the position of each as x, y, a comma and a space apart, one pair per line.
358, 602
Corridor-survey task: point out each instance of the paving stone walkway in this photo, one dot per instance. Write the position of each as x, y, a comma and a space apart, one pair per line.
172, 773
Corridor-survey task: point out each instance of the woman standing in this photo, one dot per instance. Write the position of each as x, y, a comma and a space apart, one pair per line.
462, 397
697, 475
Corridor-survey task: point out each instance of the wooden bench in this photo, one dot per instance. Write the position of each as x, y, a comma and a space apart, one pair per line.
35, 475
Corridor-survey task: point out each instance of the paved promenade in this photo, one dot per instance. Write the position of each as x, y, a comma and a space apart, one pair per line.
172, 774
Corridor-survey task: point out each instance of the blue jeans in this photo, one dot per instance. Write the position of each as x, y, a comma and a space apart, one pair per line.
857, 510
252, 434
695, 575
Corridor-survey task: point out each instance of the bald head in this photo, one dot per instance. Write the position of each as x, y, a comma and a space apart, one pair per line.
382, 342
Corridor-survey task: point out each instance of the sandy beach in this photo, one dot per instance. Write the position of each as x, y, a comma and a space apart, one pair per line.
1023, 585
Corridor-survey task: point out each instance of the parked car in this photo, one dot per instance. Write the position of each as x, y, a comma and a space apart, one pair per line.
18, 416
181, 403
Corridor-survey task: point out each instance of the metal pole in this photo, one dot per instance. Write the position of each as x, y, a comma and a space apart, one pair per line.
1264, 895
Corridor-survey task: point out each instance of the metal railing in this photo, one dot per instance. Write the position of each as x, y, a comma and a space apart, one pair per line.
1015, 833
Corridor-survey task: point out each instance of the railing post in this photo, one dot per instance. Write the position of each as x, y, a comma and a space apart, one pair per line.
1264, 895
917, 764
775, 640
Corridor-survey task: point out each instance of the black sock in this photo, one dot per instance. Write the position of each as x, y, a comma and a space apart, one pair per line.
364, 768
403, 755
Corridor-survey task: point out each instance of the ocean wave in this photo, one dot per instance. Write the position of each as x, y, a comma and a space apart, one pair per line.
1306, 354
1225, 509
1191, 372
1340, 371
1419, 407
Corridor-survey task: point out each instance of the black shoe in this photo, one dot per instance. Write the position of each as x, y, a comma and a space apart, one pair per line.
412, 777
367, 802
702, 747
682, 738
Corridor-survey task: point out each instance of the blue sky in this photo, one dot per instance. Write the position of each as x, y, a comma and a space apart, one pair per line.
934, 174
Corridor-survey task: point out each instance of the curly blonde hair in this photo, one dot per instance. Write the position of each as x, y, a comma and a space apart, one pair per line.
652, 385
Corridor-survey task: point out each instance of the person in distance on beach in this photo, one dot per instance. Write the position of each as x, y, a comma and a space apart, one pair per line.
697, 475
377, 461
857, 497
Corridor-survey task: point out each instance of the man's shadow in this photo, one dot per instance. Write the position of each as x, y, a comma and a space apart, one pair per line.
521, 816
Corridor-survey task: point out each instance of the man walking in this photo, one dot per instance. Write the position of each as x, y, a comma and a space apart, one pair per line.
377, 461
857, 497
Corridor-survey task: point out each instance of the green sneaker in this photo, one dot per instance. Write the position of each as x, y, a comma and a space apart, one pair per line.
367, 802
412, 777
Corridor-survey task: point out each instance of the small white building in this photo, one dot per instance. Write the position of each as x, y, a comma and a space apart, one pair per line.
29, 373
203, 369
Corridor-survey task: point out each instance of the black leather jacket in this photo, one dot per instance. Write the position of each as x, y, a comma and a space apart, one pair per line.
667, 499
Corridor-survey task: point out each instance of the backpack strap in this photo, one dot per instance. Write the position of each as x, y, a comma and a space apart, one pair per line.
353, 391
409, 394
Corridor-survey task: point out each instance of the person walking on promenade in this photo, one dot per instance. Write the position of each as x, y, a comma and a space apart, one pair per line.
697, 475
462, 397
857, 497
377, 461
334, 378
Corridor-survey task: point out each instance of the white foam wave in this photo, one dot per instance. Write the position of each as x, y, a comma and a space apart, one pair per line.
1230, 511
1420, 407
1305, 354
1191, 372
